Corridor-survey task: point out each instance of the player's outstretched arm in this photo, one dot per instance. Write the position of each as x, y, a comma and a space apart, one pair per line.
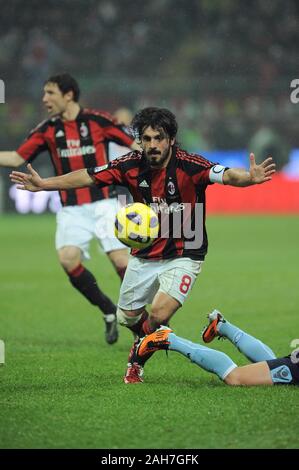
11, 159
257, 174
135, 146
33, 182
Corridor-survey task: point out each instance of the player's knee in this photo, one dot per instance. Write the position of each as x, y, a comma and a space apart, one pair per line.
69, 258
127, 319
119, 258
233, 378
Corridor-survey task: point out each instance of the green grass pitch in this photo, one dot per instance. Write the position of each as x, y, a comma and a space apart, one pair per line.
61, 385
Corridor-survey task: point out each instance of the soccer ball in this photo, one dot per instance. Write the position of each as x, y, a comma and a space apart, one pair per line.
136, 225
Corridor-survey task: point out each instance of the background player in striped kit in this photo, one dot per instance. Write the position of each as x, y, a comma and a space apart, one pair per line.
78, 138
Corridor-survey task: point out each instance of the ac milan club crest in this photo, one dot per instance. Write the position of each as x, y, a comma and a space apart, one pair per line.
170, 188
83, 130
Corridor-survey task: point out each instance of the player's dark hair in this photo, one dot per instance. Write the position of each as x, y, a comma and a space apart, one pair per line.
157, 118
66, 83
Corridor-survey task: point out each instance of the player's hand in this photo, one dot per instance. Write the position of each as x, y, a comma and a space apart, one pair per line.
27, 181
262, 172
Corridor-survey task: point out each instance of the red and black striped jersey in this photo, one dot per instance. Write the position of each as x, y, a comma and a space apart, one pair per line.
176, 193
77, 144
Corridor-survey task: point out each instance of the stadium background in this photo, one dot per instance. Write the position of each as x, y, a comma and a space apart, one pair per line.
225, 68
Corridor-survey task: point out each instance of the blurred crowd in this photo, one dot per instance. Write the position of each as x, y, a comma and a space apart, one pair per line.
224, 66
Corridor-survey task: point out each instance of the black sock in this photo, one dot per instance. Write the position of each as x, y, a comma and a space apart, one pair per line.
137, 327
141, 328
85, 282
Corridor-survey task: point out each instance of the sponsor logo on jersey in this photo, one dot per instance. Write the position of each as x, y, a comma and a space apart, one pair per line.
59, 133
160, 205
143, 184
77, 151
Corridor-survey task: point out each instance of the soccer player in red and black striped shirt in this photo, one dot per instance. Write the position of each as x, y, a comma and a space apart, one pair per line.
174, 181
78, 138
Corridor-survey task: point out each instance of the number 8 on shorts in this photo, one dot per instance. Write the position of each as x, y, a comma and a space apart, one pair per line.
185, 284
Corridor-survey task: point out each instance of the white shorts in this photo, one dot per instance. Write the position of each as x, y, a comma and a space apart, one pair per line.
144, 278
78, 225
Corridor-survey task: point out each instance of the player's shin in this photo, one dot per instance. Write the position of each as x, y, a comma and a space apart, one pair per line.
209, 359
85, 282
248, 345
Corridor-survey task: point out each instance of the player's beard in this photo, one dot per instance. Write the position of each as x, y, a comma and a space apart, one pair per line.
158, 160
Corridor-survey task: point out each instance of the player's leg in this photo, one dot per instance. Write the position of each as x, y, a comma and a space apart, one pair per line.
252, 374
254, 349
170, 282
119, 259
164, 284
208, 359
138, 289
163, 308
104, 215
281, 371
133, 320
272, 372
176, 279
73, 235
143, 325
84, 281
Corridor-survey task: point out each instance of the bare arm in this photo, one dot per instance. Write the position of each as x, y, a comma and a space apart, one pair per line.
11, 158
135, 146
33, 182
257, 174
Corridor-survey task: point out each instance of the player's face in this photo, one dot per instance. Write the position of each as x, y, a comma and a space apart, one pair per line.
54, 100
156, 145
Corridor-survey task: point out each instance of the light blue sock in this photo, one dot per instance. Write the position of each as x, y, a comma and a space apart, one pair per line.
209, 359
251, 347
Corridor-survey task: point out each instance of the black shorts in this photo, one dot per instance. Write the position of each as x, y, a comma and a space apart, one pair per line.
284, 371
